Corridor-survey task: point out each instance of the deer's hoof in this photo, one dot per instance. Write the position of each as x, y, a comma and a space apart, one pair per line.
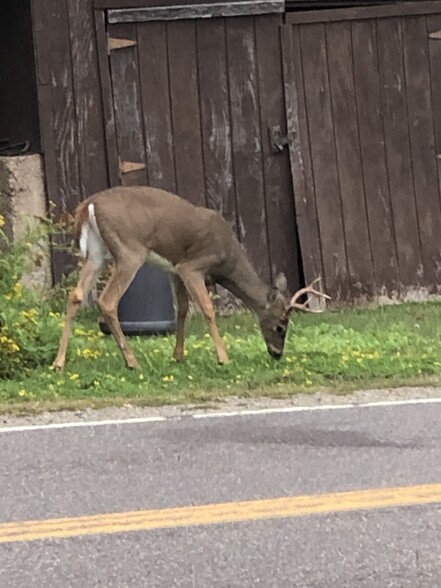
133, 365
58, 365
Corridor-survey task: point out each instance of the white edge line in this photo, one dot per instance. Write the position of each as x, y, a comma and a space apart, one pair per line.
211, 415
289, 409
73, 425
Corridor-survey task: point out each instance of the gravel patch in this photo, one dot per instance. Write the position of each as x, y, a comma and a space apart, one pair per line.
230, 404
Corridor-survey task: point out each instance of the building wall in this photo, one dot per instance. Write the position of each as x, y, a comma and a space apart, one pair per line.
85, 125
363, 148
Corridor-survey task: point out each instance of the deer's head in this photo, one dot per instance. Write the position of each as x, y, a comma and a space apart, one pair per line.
274, 319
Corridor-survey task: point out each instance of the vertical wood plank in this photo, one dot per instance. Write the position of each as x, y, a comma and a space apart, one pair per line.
325, 173
42, 43
282, 230
215, 118
107, 100
373, 157
63, 103
389, 40
127, 103
422, 145
341, 77
53, 48
88, 109
300, 155
50, 168
184, 98
247, 147
433, 25
57, 115
153, 67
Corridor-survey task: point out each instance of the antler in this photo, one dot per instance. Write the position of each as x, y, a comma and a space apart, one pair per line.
294, 305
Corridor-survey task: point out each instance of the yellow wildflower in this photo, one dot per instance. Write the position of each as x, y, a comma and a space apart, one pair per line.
17, 290
29, 315
168, 378
80, 332
22, 392
73, 377
2, 220
89, 354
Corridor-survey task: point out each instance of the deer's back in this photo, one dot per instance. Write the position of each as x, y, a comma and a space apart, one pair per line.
158, 221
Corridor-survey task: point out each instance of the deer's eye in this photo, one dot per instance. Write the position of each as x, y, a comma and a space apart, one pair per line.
280, 330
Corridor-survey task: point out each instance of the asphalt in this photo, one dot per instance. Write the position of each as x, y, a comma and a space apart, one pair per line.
72, 472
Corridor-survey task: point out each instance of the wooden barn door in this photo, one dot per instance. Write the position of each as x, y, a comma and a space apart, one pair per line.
363, 93
193, 103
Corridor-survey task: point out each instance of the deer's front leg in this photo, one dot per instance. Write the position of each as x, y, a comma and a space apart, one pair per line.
88, 277
182, 310
195, 284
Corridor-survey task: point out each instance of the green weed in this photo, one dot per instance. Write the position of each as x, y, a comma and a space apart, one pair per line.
336, 350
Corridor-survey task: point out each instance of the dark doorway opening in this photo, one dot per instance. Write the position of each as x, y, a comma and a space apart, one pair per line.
19, 129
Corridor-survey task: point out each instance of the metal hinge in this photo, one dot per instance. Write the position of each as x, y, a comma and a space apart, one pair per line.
278, 139
435, 35
126, 167
114, 43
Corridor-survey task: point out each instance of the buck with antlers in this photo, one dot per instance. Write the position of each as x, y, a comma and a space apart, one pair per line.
134, 225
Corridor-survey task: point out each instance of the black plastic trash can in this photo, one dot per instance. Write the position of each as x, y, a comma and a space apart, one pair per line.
147, 305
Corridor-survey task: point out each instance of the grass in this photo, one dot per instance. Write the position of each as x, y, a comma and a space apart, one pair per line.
337, 351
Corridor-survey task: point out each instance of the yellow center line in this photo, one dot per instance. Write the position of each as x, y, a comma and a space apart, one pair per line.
228, 512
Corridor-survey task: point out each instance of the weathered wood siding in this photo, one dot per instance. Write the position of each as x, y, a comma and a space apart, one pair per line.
362, 105
70, 106
193, 102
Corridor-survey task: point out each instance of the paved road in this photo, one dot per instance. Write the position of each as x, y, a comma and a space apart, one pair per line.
67, 473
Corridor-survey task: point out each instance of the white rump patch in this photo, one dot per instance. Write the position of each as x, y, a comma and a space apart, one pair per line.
83, 239
92, 245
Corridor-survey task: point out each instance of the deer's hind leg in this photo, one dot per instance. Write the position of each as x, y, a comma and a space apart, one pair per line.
123, 273
182, 311
88, 276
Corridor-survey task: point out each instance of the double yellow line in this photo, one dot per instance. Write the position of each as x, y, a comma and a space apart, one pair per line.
228, 512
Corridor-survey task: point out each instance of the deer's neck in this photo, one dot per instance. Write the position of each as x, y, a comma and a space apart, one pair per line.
244, 283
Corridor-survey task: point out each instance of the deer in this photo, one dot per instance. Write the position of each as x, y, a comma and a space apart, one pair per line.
133, 225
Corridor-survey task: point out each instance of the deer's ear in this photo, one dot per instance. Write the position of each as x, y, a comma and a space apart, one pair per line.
281, 283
